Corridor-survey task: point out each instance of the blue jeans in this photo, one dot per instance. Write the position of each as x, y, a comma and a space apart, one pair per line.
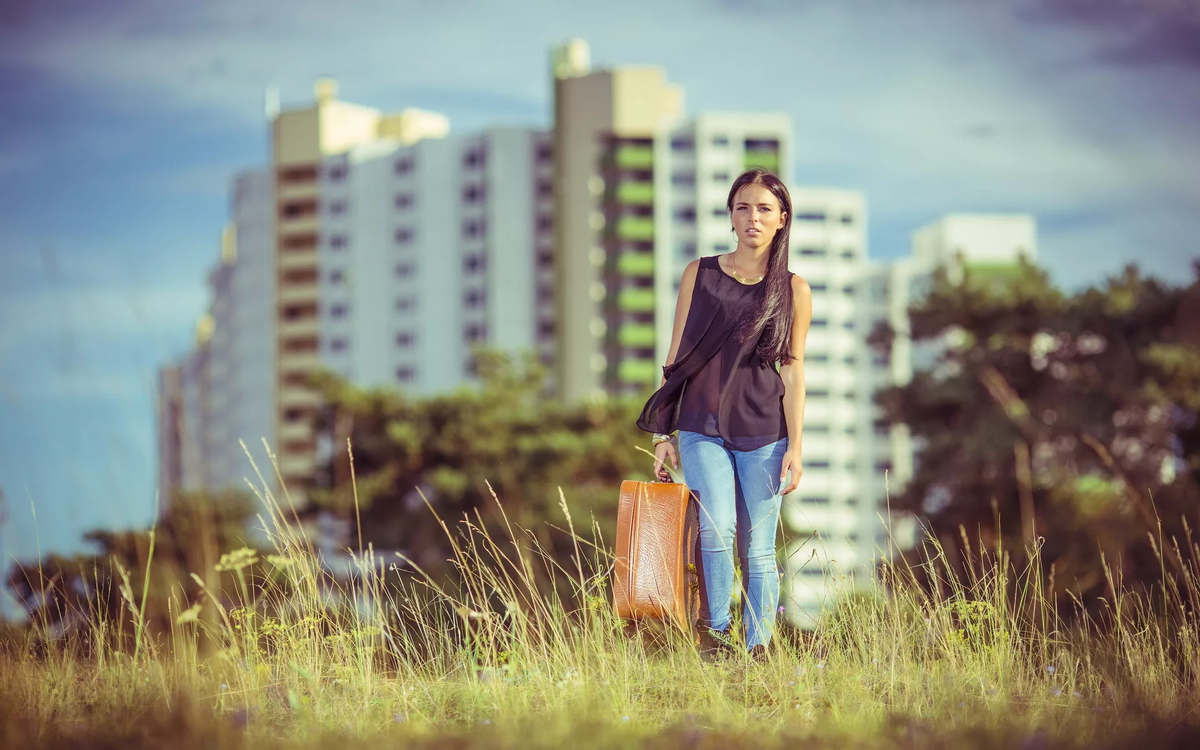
736, 490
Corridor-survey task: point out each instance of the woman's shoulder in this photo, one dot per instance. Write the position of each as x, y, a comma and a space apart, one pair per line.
799, 285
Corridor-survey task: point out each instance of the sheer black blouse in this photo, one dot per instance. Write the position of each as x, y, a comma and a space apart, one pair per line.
715, 386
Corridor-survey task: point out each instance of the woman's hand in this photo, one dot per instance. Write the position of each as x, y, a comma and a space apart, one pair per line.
661, 452
791, 461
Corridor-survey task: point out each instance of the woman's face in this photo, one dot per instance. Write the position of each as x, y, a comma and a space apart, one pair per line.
756, 216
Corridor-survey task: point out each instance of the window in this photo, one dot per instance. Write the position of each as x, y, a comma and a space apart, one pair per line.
404, 200
545, 222
817, 358
814, 499
818, 323
810, 216
816, 464
405, 374
336, 276
847, 218
337, 241
683, 179
687, 250
404, 270
338, 345
721, 247
849, 290
812, 252
545, 152
474, 297
546, 329
817, 287
338, 310
545, 189
848, 325
293, 414
473, 227
850, 359
473, 193
337, 172
817, 393
545, 293
848, 254
475, 332
686, 214
337, 208
881, 427
682, 143
473, 158
882, 466
720, 141
404, 165
404, 303
545, 260
721, 177
404, 339
404, 235
720, 212
816, 429
473, 263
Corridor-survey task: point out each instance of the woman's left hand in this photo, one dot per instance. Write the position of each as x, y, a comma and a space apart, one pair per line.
791, 460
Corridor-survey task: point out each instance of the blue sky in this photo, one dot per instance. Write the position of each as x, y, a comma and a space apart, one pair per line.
122, 123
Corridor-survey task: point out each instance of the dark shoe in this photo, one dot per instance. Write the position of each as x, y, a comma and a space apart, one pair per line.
760, 654
715, 645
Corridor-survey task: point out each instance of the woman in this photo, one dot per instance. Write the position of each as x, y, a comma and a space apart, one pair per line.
733, 387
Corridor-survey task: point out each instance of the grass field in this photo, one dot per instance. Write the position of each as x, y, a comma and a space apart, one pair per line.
289, 657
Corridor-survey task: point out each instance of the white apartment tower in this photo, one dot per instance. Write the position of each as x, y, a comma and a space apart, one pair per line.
376, 247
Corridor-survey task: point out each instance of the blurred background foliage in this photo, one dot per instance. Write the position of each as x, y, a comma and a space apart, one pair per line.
1067, 421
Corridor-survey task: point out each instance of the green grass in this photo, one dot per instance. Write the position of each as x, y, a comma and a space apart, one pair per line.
526, 652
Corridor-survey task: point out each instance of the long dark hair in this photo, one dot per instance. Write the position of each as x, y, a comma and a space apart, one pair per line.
770, 320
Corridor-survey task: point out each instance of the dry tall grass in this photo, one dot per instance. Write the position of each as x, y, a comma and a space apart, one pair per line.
292, 656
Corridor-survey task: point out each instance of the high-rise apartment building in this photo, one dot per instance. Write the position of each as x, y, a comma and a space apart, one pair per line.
605, 122
838, 521
377, 247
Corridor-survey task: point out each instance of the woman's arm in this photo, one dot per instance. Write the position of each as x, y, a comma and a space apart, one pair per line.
682, 304
793, 381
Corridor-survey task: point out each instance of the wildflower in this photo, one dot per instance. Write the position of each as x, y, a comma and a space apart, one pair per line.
1056, 691
224, 686
1050, 669
1075, 694
281, 561
624, 718
487, 721
191, 614
237, 560
781, 609
820, 665
400, 718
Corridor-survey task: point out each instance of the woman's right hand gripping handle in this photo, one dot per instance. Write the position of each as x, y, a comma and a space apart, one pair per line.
662, 452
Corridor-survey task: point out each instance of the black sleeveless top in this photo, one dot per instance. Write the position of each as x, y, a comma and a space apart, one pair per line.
715, 386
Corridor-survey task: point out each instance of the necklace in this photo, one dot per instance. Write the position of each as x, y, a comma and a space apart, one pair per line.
740, 278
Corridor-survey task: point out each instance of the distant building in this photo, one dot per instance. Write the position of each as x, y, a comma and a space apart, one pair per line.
838, 521
376, 247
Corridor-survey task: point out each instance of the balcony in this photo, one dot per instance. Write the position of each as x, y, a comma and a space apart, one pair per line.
635, 228
295, 465
299, 225
636, 300
636, 264
298, 397
303, 361
634, 157
637, 371
293, 293
634, 335
297, 191
631, 193
289, 431
304, 327
294, 259
762, 158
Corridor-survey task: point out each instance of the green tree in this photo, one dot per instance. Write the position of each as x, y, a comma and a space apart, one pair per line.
1069, 419
449, 448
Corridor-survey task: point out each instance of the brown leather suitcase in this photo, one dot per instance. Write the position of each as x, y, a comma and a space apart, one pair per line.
658, 530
